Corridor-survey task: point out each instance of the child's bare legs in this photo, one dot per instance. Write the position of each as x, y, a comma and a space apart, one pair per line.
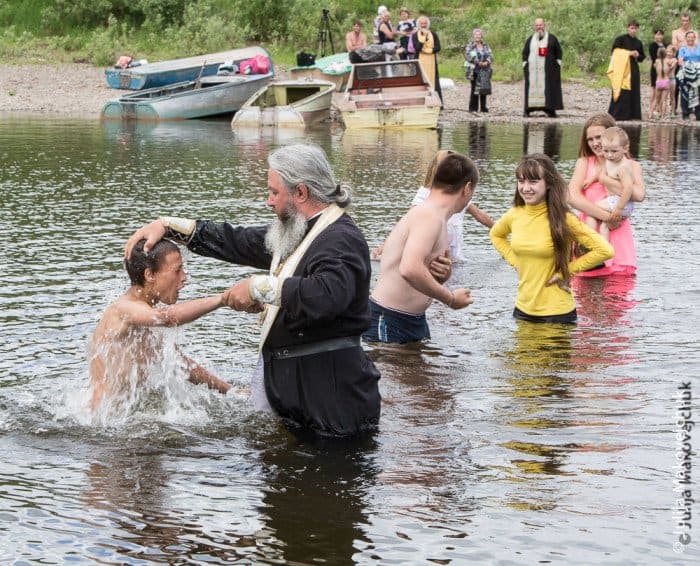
604, 231
672, 99
654, 102
663, 103
600, 226
593, 222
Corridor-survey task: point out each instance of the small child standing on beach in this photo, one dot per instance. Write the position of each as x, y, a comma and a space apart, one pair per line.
659, 102
618, 168
670, 68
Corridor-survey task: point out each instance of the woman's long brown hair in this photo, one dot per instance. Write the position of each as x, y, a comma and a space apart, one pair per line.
603, 119
539, 166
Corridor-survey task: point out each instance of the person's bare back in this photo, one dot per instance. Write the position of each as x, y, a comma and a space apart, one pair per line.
405, 283
119, 353
418, 238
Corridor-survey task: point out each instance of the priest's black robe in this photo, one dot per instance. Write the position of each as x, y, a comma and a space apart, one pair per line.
628, 105
331, 393
553, 98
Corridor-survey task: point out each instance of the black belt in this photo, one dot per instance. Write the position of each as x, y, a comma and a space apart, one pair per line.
316, 347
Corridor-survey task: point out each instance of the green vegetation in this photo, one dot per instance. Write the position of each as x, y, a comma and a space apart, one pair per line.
98, 31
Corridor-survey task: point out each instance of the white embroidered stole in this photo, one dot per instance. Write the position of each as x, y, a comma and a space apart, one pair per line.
287, 269
536, 71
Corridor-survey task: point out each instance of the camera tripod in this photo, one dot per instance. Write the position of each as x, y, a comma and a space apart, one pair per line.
324, 34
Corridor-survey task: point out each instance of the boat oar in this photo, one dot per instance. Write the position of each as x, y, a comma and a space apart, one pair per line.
199, 76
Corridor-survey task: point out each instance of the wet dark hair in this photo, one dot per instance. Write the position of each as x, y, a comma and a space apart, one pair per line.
659, 31
453, 172
139, 261
634, 23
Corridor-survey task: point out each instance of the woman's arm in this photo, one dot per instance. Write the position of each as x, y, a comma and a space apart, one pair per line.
480, 216
599, 250
499, 238
576, 196
488, 54
391, 34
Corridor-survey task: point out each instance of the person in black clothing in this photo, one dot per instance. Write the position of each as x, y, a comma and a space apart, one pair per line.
312, 367
542, 56
628, 105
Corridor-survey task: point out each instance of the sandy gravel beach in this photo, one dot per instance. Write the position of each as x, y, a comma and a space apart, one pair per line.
79, 90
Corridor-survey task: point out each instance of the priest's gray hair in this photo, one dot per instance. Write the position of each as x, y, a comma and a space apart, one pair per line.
303, 164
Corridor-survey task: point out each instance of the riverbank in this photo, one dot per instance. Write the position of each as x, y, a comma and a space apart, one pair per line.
79, 90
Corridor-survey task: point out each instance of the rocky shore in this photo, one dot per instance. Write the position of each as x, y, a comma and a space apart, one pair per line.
79, 90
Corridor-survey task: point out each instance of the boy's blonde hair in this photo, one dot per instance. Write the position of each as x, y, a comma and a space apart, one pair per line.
616, 134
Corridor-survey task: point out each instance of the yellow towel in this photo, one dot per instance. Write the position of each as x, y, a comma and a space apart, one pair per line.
619, 72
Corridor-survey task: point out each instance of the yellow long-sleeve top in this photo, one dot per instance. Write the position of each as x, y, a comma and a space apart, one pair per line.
531, 251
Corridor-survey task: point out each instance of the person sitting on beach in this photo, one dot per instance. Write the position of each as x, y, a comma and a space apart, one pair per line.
124, 346
619, 168
355, 39
405, 287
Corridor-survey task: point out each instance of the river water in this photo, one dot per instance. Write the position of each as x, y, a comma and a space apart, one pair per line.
499, 442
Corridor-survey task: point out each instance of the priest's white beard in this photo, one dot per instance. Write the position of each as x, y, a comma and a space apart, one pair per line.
285, 235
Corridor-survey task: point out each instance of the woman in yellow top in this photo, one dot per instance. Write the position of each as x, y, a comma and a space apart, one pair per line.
542, 232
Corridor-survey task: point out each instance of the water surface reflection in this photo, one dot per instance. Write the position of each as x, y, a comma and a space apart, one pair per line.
499, 441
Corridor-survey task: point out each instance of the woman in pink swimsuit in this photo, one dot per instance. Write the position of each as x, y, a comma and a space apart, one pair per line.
586, 187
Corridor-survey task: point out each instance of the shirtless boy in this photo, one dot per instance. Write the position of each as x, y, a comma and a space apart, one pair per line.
617, 168
405, 287
124, 346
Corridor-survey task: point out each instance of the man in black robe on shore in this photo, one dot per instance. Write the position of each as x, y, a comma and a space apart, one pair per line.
312, 366
542, 57
628, 105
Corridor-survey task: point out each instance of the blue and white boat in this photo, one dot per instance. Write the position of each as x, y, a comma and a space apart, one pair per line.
206, 97
165, 73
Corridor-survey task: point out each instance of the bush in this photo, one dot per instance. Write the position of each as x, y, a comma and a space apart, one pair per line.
159, 29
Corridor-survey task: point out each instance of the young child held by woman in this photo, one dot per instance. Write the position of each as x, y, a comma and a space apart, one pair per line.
542, 232
617, 168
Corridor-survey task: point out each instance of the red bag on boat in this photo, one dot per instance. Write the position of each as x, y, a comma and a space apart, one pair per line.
258, 65
248, 67
263, 64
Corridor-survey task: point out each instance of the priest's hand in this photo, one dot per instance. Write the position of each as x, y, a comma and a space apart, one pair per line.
152, 233
238, 298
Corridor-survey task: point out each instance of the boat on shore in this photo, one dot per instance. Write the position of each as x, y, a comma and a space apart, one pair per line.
334, 68
164, 73
206, 97
389, 94
291, 103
